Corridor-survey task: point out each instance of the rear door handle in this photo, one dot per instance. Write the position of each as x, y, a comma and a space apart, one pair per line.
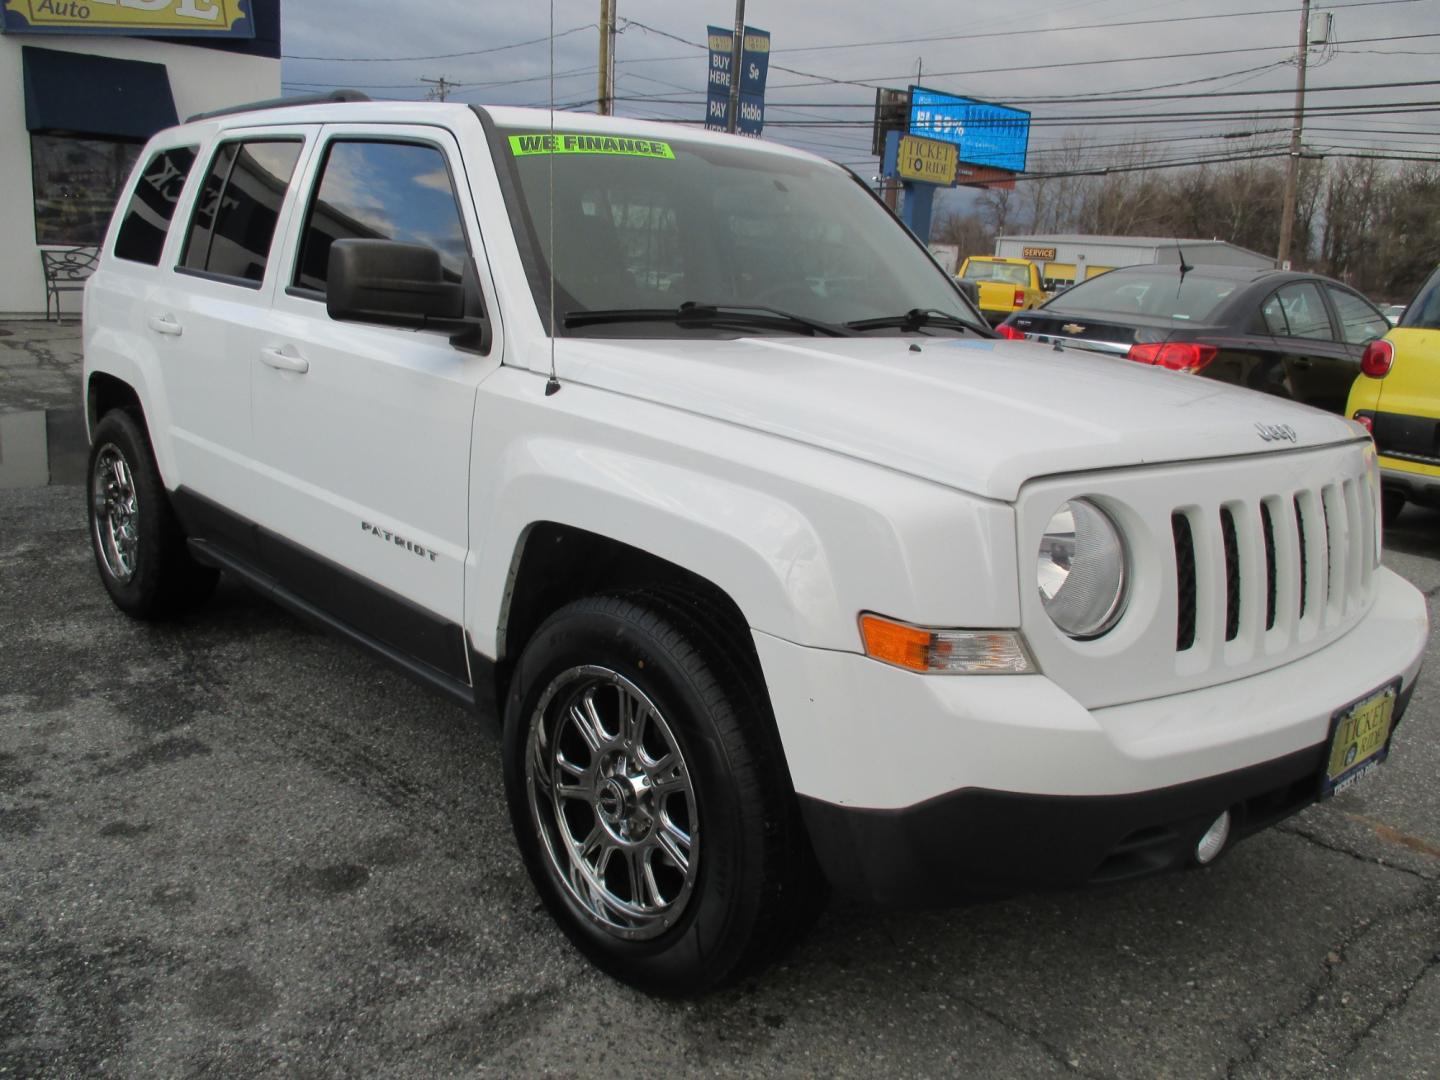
164, 324
279, 358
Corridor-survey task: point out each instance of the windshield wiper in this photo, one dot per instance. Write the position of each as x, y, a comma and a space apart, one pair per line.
693, 313
914, 319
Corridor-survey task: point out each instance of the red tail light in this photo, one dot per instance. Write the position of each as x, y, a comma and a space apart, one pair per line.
1377, 358
1175, 355
1366, 420
1005, 330
1019, 297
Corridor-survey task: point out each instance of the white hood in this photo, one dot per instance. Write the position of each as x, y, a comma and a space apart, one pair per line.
982, 416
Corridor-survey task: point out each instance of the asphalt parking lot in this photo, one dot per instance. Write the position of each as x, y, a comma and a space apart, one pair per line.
232, 846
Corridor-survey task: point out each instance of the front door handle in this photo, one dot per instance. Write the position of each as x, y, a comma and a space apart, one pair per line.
1304, 362
164, 324
278, 358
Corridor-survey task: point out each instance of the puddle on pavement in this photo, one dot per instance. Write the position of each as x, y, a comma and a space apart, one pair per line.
43, 447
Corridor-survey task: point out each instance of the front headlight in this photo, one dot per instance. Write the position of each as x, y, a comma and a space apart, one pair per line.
1081, 570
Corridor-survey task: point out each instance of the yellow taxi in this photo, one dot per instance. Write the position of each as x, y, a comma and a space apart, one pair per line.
1397, 396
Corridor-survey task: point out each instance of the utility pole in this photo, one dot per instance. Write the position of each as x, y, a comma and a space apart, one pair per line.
1292, 170
440, 88
733, 117
607, 58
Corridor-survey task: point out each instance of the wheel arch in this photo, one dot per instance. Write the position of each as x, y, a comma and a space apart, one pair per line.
105, 392
120, 385
555, 563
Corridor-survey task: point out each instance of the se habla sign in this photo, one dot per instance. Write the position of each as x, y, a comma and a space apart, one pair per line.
140, 18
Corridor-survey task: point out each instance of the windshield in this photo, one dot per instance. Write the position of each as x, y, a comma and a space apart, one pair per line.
1424, 311
1193, 298
647, 224
1009, 273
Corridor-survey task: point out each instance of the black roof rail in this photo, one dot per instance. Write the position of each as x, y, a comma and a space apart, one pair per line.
282, 103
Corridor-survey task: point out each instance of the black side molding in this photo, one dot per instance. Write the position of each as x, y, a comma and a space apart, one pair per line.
429, 647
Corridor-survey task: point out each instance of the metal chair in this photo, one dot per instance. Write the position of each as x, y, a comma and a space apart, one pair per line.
65, 271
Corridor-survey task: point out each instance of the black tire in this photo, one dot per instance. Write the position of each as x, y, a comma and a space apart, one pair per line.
750, 888
138, 544
1391, 503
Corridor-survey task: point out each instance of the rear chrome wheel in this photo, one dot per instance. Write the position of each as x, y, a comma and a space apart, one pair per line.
613, 803
140, 549
115, 513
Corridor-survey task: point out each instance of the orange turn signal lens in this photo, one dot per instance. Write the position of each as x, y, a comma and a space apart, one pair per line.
944, 652
903, 646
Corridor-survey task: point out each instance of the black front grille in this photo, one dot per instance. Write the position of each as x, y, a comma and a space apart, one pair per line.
1268, 527
1232, 573
1329, 551
1184, 580
1304, 575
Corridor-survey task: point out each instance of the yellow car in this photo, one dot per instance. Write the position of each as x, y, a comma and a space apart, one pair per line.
1397, 396
1004, 285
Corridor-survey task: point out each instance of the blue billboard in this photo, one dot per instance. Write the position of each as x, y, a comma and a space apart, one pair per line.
991, 135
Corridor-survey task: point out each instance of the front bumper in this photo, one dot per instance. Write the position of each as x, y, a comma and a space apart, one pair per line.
976, 844
921, 788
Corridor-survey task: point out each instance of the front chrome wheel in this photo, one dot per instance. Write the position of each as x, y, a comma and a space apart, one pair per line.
611, 797
116, 517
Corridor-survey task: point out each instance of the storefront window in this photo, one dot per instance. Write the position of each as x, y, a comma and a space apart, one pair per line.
77, 183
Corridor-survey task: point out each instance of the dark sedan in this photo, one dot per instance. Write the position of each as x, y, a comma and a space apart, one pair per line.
1297, 335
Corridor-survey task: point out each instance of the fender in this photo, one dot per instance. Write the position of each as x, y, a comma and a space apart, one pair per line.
801, 539
112, 346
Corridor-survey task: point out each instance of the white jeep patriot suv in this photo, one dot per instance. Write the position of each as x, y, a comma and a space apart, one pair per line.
779, 567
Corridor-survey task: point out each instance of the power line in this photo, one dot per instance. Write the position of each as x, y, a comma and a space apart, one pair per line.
1357, 109
1065, 29
440, 56
1083, 95
872, 81
1068, 100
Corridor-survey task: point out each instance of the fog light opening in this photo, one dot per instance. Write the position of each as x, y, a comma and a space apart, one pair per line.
1213, 842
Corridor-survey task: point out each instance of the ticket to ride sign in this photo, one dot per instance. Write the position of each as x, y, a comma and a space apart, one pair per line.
926, 160
139, 18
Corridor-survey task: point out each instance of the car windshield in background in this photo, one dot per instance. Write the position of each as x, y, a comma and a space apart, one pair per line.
644, 225
1424, 311
1003, 272
1160, 295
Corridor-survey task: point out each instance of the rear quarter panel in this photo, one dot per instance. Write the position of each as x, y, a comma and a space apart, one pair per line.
1412, 388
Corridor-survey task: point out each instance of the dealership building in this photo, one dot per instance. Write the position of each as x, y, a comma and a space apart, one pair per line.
89, 83
1067, 258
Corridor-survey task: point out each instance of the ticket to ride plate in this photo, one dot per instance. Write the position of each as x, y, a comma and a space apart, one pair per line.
1359, 738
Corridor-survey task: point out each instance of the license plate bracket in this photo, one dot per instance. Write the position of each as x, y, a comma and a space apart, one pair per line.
1359, 738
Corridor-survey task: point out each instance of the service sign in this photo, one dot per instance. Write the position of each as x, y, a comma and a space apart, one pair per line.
926, 160
138, 18
1046, 254
984, 134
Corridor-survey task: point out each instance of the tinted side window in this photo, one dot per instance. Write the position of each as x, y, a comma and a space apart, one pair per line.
1359, 322
1305, 311
381, 191
1273, 313
147, 219
235, 214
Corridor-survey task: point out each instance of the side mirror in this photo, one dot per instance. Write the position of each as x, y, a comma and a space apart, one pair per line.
388, 282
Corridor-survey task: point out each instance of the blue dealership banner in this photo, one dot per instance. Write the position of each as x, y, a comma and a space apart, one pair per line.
754, 68
985, 134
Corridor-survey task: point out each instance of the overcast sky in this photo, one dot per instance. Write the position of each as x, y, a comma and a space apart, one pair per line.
660, 77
